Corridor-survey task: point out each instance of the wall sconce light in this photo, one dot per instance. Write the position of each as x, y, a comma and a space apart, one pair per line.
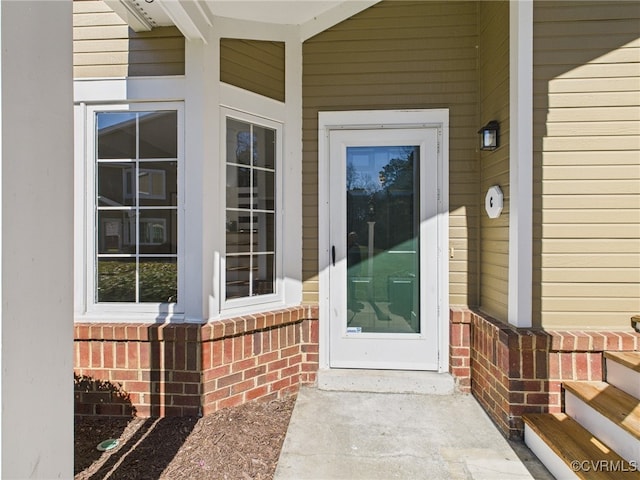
490, 136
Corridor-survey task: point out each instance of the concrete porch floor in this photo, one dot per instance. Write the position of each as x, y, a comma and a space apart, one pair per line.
383, 435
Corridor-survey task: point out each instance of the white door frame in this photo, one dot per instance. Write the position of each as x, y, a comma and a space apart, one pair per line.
372, 119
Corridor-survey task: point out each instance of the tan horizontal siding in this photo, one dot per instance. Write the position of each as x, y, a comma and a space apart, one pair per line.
590, 70
600, 157
587, 320
90, 6
591, 260
612, 200
143, 57
586, 163
494, 105
588, 187
589, 216
95, 19
104, 46
589, 275
257, 66
401, 55
590, 290
587, 246
586, 32
581, 232
573, 85
578, 129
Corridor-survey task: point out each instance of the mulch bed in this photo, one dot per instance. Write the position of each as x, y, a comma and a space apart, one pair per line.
234, 443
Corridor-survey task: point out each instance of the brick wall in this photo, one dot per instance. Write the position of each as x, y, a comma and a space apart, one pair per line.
263, 356
512, 371
184, 369
460, 347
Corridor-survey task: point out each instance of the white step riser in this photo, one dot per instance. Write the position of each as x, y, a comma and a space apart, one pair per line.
618, 439
623, 378
547, 456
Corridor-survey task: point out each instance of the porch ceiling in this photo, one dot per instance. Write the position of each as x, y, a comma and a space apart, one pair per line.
285, 12
193, 17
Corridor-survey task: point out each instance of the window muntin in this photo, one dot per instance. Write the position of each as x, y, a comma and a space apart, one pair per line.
250, 240
136, 207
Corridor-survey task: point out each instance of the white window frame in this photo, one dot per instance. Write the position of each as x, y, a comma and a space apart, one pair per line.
86, 169
202, 176
239, 306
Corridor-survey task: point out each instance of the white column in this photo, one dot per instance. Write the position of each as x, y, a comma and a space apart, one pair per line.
36, 231
520, 161
292, 199
199, 181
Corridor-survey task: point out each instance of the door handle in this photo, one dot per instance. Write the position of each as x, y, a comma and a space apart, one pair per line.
333, 255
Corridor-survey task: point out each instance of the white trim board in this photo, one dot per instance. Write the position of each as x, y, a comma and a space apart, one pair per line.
520, 162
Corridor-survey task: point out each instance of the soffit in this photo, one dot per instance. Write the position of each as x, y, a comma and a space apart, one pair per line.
193, 16
284, 12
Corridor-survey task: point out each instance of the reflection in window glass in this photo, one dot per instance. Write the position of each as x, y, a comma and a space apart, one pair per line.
250, 210
116, 135
137, 206
116, 280
158, 136
158, 280
116, 184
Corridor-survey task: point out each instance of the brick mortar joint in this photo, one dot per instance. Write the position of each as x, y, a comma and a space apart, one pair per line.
460, 315
152, 332
250, 331
551, 337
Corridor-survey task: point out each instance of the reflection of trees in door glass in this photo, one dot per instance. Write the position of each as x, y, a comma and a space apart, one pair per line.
382, 186
398, 173
383, 199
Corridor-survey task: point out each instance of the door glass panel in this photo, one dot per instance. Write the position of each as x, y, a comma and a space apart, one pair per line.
383, 212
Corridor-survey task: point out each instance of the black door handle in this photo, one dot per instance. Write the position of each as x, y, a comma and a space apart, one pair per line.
333, 255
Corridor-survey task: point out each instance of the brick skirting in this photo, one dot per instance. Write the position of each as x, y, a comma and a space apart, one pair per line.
186, 369
512, 371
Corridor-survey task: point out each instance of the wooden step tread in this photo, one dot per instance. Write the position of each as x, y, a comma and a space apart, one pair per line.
616, 405
628, 359
572, 442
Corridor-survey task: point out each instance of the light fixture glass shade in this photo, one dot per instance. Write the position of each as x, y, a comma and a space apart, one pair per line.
489, 136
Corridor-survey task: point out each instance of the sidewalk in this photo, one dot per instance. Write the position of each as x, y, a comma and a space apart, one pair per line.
354, 435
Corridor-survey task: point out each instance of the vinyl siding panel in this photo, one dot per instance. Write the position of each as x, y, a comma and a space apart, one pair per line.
400, 55
104, 46
494, 166
586, 164
257, 66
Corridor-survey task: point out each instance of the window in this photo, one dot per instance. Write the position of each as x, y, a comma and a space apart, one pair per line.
251, 264
159, 237
136, 206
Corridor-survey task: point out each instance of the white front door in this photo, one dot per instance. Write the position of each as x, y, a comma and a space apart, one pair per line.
384, 272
